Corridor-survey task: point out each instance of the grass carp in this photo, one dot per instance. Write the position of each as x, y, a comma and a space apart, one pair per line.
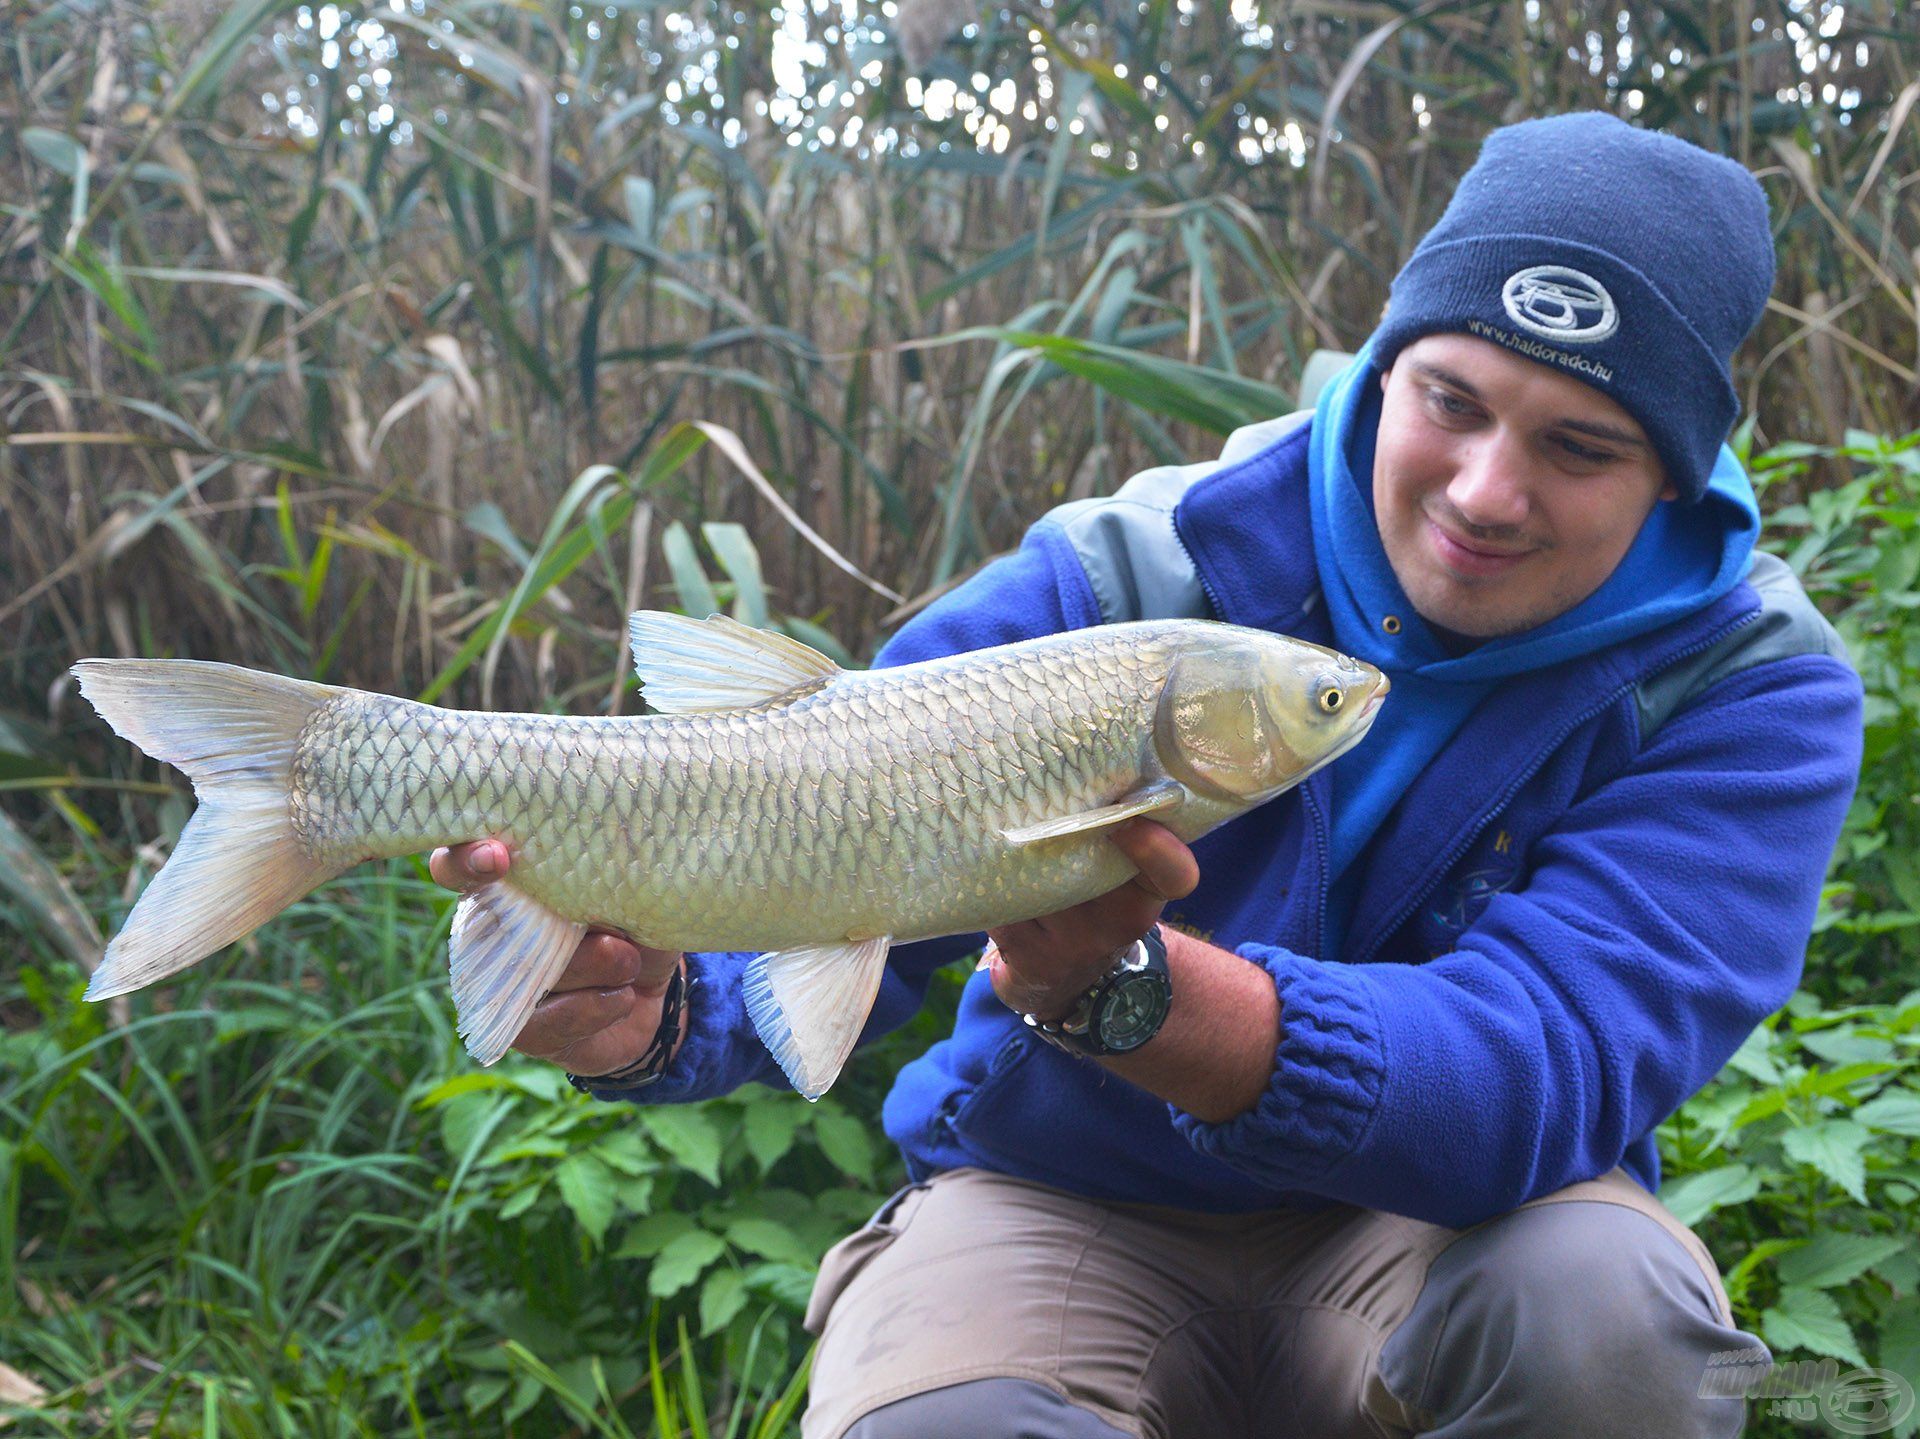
775, 802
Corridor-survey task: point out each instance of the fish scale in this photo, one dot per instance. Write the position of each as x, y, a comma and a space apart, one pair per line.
777, 804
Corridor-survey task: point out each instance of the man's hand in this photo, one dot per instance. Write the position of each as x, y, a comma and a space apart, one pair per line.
1214, 1056
603, 1011
1040, 966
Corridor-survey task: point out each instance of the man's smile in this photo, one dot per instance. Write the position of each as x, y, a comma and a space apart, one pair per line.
1471, 558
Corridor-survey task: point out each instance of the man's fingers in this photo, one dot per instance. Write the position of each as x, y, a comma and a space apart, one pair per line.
566, 1024
594, 1028
468, 866
602, 961
1167, 867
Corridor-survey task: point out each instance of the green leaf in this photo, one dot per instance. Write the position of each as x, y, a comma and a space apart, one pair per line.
59, 152
587, 1186
520, 1201
1899, 1347
721, 1297
653, 1234
1753, 1058
1847, 1076
626, 1151
489, 521
1810, 1319
769, 1240
1832, 1147
1896, 1112
1695, 1197
690, 580
1741, 1275
845, 1142
734, 549
689, 1135
639, 196
1214, 399
681, 1261
1833, 1258
462, 1084
769, 1125
788, 1284
522, 1147
483, 1394
1847, 1046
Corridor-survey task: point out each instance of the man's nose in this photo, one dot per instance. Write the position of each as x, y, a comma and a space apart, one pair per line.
1489, 489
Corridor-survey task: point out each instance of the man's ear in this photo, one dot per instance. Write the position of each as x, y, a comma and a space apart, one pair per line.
1669, 492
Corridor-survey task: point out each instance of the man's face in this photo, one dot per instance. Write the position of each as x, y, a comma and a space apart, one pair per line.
1506, 492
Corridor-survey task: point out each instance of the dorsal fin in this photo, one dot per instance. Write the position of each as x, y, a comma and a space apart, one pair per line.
690, 666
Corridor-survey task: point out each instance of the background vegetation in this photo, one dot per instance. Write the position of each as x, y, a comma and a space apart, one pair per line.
410, 344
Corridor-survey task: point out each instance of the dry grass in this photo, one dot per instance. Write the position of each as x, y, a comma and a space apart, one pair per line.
320, 403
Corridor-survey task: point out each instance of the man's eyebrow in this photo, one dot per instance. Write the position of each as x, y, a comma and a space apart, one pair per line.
1599, 429
1605, 432
1445, 377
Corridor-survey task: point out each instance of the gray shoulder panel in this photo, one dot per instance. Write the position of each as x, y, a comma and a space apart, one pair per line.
1788, 625
1134, 562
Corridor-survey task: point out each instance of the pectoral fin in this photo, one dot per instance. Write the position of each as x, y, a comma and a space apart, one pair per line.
506, 951
1165, 794
810, 1005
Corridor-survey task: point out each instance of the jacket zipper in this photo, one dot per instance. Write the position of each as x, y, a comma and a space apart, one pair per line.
1206, 585
1323, 841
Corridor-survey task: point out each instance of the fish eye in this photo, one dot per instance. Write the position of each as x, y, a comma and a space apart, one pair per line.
1331, 698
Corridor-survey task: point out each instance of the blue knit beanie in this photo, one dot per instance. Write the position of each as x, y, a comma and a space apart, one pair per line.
1630, 259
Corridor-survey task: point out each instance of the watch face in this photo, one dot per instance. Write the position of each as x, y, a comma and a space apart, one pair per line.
1133, 1011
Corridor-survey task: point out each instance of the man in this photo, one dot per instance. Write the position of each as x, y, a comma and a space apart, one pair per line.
1384, 1166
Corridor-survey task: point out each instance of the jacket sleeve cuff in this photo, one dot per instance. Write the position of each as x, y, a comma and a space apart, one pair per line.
720, 1052
1328, 1073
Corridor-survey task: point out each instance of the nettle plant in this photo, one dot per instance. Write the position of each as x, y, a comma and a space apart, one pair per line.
1799, 1162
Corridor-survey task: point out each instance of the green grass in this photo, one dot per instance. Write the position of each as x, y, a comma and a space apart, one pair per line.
281, 1201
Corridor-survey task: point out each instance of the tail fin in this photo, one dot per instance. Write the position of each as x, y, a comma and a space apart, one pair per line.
238, 863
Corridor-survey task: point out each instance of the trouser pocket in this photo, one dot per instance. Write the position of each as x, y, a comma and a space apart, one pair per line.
851, 1255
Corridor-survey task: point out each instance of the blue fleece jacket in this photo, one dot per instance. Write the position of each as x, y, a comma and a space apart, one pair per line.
1576, 912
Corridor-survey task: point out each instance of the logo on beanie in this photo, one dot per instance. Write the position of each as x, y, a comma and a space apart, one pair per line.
1556, 302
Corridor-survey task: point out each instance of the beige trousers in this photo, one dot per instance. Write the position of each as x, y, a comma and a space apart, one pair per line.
1167, 1324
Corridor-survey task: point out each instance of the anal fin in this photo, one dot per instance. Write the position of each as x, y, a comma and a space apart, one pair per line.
810, 1004
1150, 799
506, 951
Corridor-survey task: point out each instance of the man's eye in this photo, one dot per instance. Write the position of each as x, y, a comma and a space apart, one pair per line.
1448, 404
1584, 453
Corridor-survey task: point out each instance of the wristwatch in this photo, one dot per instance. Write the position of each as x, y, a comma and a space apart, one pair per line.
1122, 1010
